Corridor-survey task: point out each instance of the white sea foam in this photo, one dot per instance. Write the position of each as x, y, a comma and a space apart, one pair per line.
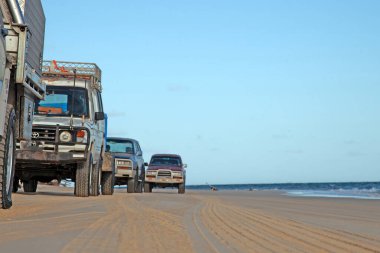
340, 193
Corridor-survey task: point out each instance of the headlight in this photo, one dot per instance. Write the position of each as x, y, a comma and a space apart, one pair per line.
123, 163
177, 174
65, 136
151, 172
82, 136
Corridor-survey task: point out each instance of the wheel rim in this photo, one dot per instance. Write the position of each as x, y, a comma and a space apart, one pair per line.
10, 161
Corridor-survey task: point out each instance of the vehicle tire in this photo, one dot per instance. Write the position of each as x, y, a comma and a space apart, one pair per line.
140, 186
35, 186
181, 188
147, 187
108, 179
131, 185
139, 182
83, 178
95, 181
15, 184
7, 158
30, 185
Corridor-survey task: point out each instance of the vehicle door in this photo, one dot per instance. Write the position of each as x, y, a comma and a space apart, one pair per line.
101, 123
139, 156
98, 125
3, 58
3, 88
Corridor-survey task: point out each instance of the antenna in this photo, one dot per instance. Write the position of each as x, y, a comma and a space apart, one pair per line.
72, 99
73, 93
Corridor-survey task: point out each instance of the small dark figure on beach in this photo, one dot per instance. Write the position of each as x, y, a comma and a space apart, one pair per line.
213, 188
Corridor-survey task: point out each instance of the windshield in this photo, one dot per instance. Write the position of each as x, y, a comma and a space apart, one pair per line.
63, 101
119, 146
165, 161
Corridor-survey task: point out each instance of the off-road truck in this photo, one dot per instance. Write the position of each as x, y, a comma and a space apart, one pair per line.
165, 170
128, 161
22, 30
68, 130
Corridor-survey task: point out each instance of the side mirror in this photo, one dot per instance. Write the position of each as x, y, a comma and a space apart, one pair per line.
184, 165
99, 116
146, 164
4, 32
139, 153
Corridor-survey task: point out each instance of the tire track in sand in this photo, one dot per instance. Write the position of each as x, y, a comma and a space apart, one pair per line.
228, 234
243, 239
334, 240
202, 240
259, 239
247, 230
131, 226
103, 234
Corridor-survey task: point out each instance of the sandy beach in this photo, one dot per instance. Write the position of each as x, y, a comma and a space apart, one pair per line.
52, 220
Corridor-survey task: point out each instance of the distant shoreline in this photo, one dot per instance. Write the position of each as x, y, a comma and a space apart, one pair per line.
262, 185
357, 190
345, 182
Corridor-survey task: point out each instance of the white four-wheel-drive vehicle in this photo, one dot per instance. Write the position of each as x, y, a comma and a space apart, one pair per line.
68, 131
22, 30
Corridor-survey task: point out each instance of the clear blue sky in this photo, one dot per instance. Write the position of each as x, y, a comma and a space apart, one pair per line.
246, 91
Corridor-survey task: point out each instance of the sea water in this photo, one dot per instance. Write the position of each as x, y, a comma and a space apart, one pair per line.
358, 190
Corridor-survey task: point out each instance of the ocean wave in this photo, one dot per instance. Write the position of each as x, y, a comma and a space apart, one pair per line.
356, 194
353, 186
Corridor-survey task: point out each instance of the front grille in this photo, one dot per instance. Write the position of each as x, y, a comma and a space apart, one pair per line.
43, 134
123, 162
164, 173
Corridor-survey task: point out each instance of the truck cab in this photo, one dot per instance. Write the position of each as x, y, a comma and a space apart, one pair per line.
68, 130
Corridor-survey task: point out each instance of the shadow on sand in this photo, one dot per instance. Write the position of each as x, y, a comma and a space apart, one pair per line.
45, 193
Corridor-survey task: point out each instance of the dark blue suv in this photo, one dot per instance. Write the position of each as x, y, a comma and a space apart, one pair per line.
128, 162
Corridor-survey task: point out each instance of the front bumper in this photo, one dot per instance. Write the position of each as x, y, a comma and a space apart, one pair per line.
164, 180
40, 156
120, 172
164, 177
47, 148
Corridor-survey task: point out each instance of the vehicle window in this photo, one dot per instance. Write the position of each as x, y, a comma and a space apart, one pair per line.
138, 147
63, 102
120, 146
100, 101
165, 161
2, 60
2, 55
95, 101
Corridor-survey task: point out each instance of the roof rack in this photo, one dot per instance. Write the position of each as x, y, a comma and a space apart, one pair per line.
66, 69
